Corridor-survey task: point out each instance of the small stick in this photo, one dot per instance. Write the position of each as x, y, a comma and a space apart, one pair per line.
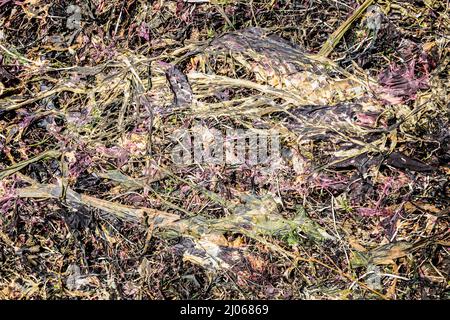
334, 39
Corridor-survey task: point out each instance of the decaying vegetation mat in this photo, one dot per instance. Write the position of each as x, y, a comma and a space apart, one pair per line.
92, 205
